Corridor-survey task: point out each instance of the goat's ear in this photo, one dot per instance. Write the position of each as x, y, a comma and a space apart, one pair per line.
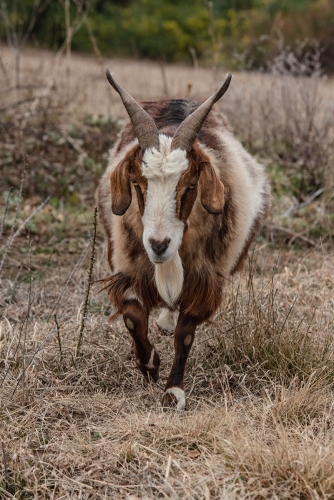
120, 188
212, 189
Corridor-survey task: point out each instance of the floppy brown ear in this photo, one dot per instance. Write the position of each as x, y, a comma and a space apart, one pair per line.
212, 189
120, 188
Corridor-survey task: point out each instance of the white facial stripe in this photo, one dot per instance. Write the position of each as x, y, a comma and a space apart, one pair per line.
163, 170
160, 207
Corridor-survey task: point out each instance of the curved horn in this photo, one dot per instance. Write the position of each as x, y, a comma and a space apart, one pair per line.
145, 129
186, 134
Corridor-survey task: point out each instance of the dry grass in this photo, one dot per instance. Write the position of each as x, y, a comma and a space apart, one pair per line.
260, 377
260, 380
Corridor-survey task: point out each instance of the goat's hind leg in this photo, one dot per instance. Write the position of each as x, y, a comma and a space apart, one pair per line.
136, 321
167, 320
183, 339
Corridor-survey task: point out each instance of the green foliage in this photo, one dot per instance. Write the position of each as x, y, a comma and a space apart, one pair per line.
167, 30
150, 28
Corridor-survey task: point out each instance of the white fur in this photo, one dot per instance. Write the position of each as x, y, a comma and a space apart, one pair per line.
130, 295
163, 170
169, 279
248, 189
180, 397
150, 364
167, 320
164, 162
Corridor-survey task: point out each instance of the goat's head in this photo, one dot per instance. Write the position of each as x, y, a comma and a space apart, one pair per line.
166, 173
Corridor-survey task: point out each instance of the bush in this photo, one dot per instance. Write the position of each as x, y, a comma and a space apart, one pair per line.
292, 122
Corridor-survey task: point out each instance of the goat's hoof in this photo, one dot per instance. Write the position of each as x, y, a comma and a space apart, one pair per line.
174, 397
163, 331
154, 375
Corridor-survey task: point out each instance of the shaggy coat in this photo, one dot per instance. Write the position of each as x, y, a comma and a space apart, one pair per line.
221, 198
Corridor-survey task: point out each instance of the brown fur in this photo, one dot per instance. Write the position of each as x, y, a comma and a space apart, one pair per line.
211, 200
128, 172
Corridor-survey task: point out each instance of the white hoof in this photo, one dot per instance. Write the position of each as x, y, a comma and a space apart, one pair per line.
167, 320
179, 396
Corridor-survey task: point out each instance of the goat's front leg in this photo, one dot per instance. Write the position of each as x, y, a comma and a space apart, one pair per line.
183, 339
136, 321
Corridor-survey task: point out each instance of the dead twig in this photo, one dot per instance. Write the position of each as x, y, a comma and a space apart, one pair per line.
293, 235
58, 337
5, 213
89, 282
19, 230
5, 463
308, 201
18, 204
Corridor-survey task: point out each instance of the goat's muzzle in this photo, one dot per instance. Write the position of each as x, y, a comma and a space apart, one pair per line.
159, 247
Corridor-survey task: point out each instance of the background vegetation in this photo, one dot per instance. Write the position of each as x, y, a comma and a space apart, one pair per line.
238, 33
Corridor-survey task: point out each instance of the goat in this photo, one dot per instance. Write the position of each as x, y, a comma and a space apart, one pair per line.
180, 202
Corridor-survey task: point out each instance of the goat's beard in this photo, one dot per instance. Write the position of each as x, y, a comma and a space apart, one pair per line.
169, 279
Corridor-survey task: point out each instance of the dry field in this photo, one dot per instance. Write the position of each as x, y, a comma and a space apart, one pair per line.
260, 378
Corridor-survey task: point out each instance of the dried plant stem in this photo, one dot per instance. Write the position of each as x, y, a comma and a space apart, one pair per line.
12, 234
68, 281
30, 300
98, 55
16, 36
5, 463
4, 71
89, 282
24, 366
17, 346
58, 337
94, 43
194, 57
5, 213
76, 24
20, 229
28, 219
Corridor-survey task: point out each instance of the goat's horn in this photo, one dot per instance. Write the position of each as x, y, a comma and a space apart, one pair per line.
186, 134
145, 129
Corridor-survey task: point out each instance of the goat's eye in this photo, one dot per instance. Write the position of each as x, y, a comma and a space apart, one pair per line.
192, 186
135, 183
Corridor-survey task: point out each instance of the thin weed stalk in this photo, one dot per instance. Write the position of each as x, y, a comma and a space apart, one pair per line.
5, 212
61, 296
17, 207
89, 282
58, 337
13, 235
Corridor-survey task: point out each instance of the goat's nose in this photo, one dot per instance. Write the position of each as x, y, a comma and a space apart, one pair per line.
159, 247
